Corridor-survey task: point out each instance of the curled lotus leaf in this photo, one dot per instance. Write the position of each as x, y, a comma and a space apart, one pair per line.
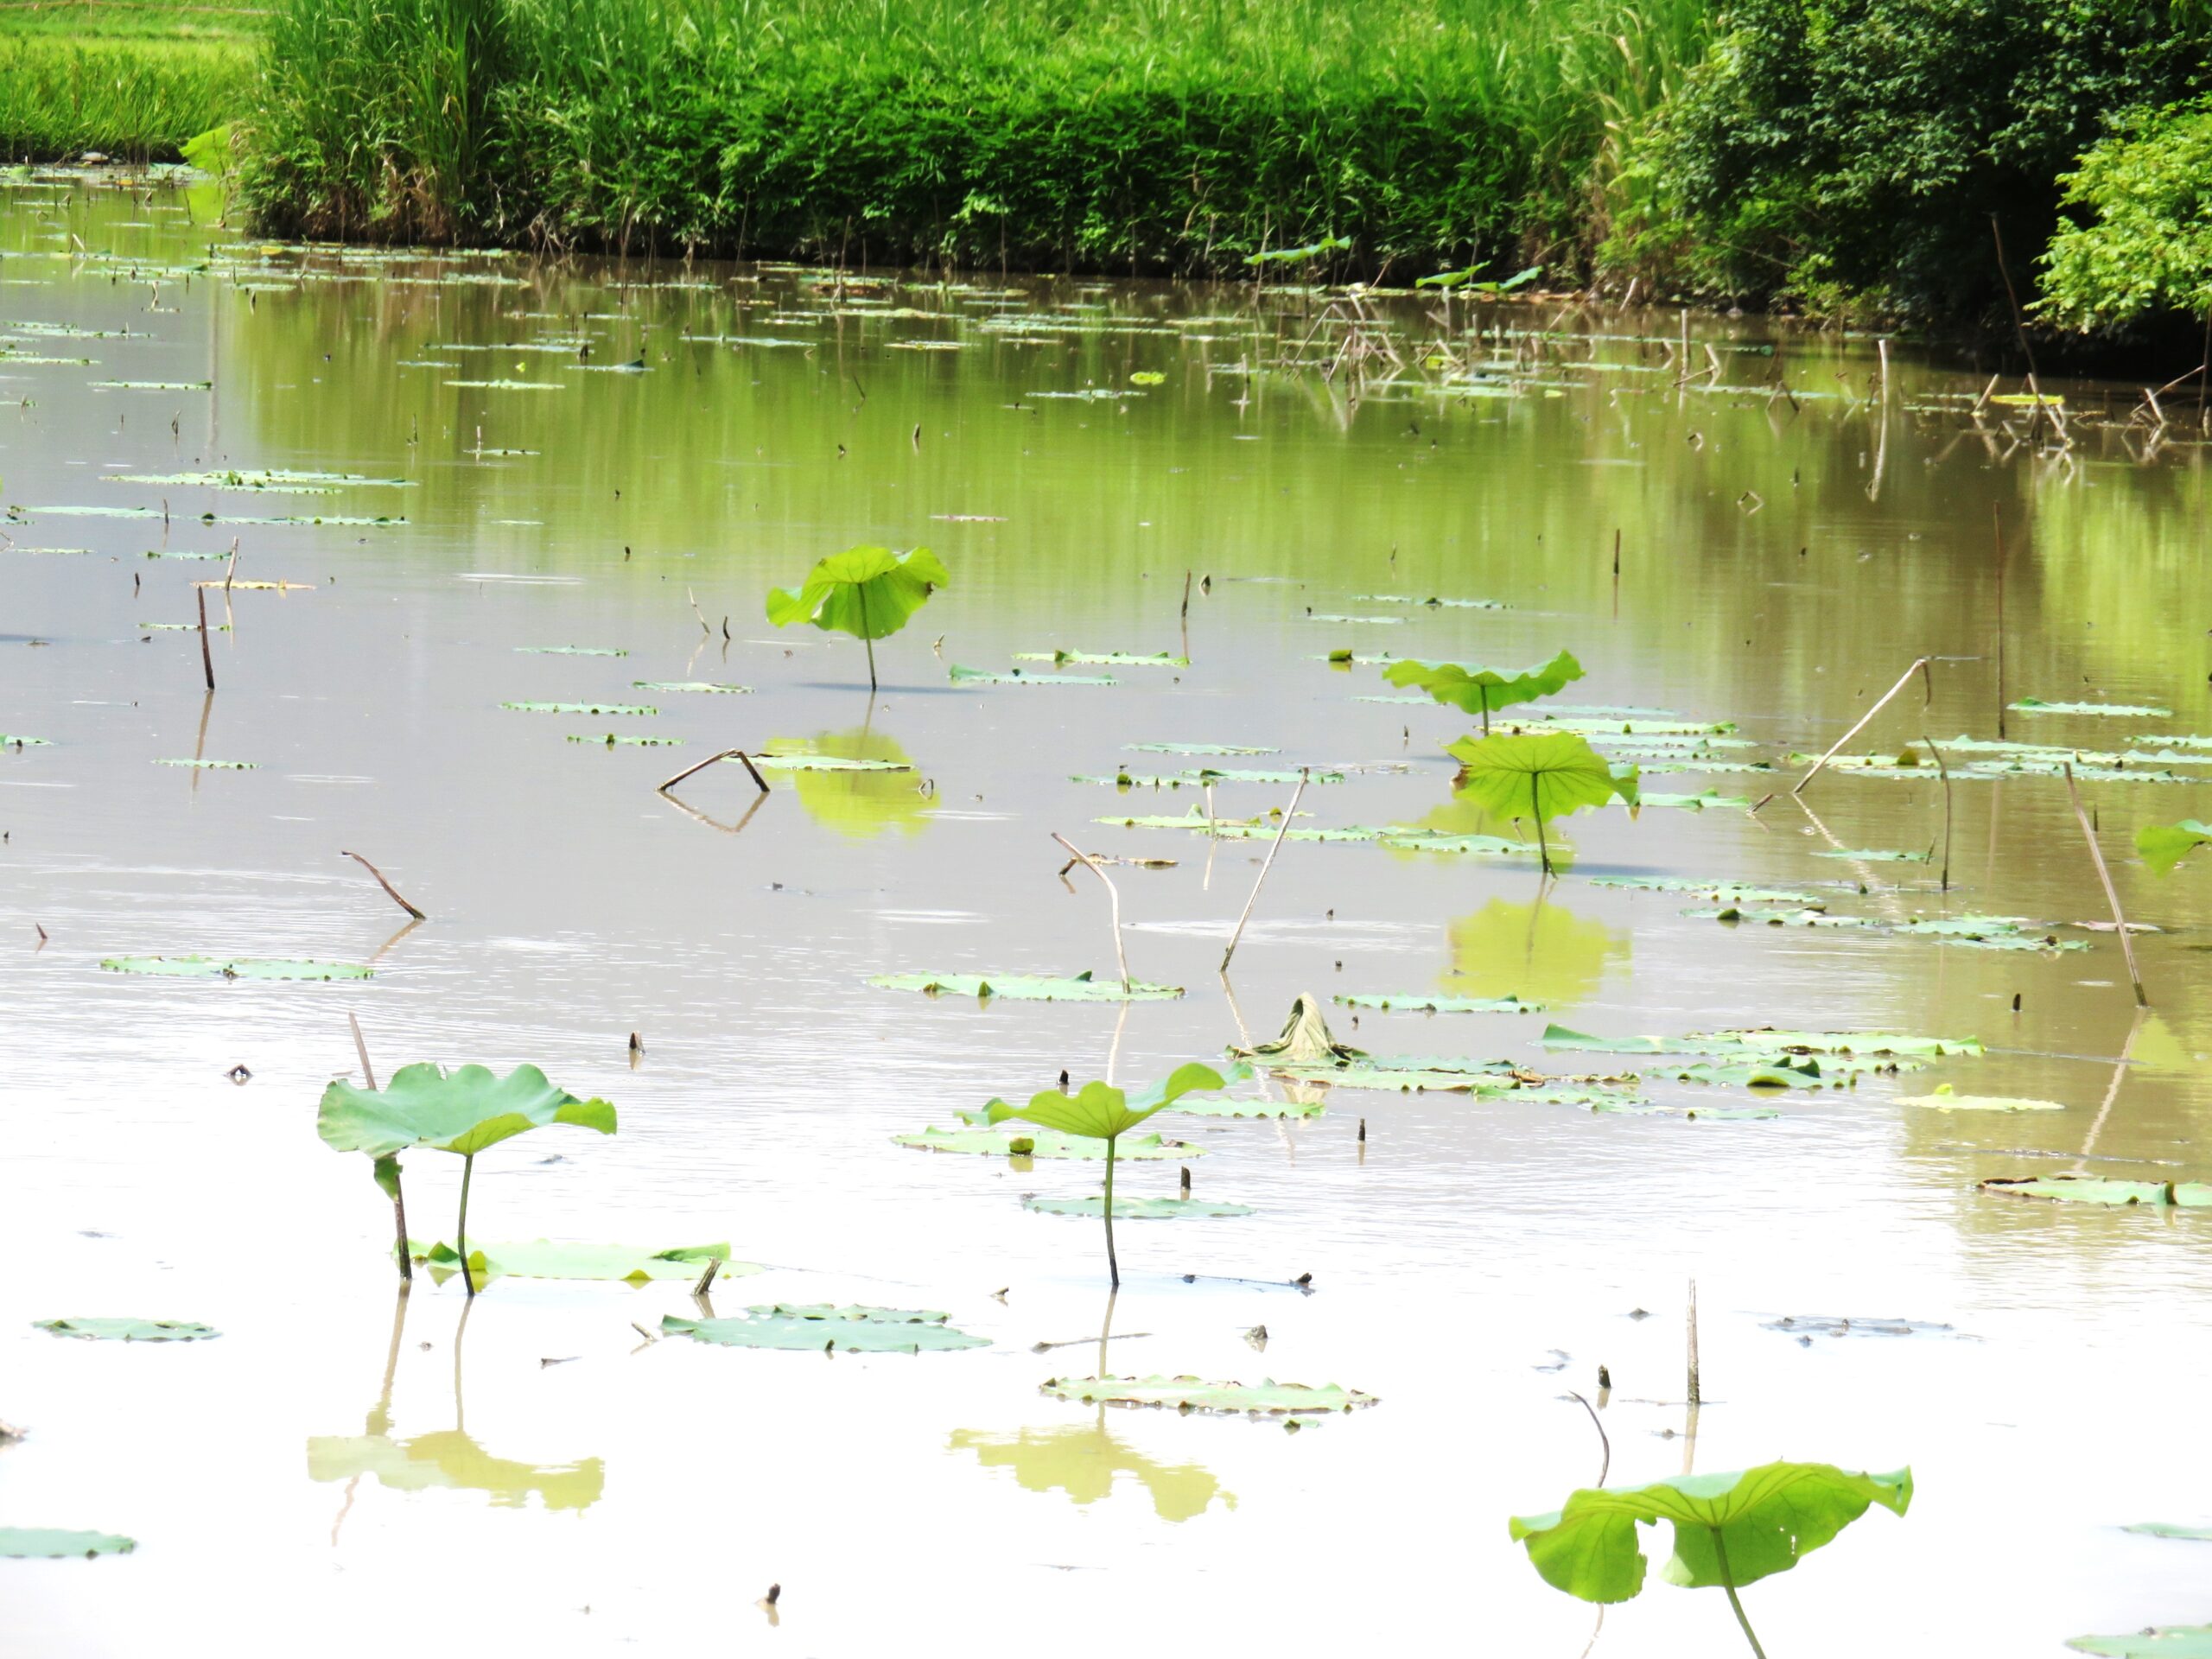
122, 1330
1189, 1393
462, 1111
1484, 691
52, 1543
1131, 1208
1732, 1529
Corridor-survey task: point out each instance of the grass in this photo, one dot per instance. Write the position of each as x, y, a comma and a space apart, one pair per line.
133, 81
1124, 135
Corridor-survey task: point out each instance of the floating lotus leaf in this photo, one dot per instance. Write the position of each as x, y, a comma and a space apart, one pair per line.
1417, 1002
614, 740
13, 741
567, 651
1625, 1107
1389, 1080
960, 675
112, 1330
234, 967
565, 1259
1875, 855
691, 685
1028, 987
2162, 845
628, 708
1127, 1209
2168, 1530
870, 1331
1227, 1106
1771, 918
2161, 1642
213, 765
1188, 1393
2118, 710
39, 1543
1198, 748
1044, 1143
1767, 1039
2091, 1189
1762, 1521
1104, 658
828, 763
1945, 1099
1204, 775
463, 1112
1726, 892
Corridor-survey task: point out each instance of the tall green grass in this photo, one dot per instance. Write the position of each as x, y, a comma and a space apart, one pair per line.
1116, 135
133, 81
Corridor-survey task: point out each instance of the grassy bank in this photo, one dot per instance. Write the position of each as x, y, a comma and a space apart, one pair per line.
1128, 135
133, 81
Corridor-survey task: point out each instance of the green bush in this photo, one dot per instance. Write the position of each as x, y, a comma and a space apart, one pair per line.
2146, 244
1858, 147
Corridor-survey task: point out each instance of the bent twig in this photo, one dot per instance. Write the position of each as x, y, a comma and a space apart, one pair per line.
391, 892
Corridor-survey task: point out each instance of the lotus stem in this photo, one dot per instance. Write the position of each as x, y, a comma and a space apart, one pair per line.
1483, 691
1606, 1464
1944, 772
399, 1227
460, 1230
1114, 898
1728, 1583
1290, 814
206, 659
1919, 667
1696, 1395
2112, 898
870, 643
1536, 811
1113, 1266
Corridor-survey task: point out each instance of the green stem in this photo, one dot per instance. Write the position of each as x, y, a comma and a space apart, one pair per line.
1728, 1583
1113, 1267
865, 641
460, 1232
399, 1221
1536, 809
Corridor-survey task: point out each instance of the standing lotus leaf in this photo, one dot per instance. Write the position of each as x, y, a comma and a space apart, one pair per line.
1545, 775
1483, 690
2162, 845
463, 1111
1730, 1529
1098, 1111
868, 592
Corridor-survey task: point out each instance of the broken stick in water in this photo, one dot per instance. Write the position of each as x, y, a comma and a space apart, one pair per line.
727, 754
1291, 813
2112, 898
1919, 667
391, 892
1113, 896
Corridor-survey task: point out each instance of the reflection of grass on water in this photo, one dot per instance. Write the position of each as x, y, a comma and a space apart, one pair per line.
1082, 1460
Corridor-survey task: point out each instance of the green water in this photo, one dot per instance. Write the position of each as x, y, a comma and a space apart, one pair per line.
337, 1471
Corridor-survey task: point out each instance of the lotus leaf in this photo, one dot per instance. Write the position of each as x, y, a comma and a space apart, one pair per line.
565, 1259
563, 650
1102, 1111
1545, 777
1841, 1042
1730, 1529
1945, 1099
767, 1328
1043, 1144
1627, 1107
2162, 845
11, 740
1875, 855
2090, 1189
1416, 1002
1726, 893
213, 765
2168, 1530
1028, 987
1483, 691
1304, 1039
1104, 658
1137, 1209
690, 685
1393, 1079
2162, 1641
1198, 748
1203, 775
611, 739
1188, 1393
1227, 1106
118, 1329
869, 592
36, 1543
960, 675
233, 967
464, 1111
2125, 710
1734, 913
638, 708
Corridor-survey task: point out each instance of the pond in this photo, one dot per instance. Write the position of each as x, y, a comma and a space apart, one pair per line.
490, 482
